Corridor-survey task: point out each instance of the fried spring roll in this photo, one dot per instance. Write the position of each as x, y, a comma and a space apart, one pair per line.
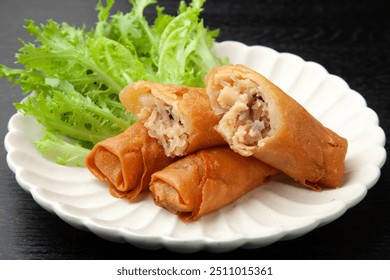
207, 180
127, 161
259, 119
179, 117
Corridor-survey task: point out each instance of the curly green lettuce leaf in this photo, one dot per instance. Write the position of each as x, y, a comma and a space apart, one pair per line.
74, 115
69, 53
76, 74
174, 49
184, 53
130, 29
27, 80
61, 151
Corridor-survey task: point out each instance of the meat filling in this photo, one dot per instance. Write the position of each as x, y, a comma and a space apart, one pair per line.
246, 118
164, 124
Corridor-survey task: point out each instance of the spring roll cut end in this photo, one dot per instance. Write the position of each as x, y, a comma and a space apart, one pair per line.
179, 117
247, 120
259, 119
166, 196
127, 161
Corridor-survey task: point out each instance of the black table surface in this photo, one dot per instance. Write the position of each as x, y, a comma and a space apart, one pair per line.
351, 39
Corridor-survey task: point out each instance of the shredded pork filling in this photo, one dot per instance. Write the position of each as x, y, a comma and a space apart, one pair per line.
246, 118
164, 124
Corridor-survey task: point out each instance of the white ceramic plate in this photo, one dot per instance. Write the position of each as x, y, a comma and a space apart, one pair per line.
279, 210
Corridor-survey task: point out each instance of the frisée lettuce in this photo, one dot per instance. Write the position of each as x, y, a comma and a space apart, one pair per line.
75, 74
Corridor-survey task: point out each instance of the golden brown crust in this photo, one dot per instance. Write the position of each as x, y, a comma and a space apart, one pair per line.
127, 161
130, 95
207, 180
189, 110
298, 144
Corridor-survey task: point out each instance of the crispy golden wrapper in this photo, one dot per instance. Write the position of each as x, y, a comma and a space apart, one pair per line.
127, 161
179, 117
258, 119
207, 180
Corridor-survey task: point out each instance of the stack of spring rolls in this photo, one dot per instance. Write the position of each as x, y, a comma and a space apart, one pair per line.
199, 149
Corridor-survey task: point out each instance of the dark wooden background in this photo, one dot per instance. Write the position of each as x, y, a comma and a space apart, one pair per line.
349, 38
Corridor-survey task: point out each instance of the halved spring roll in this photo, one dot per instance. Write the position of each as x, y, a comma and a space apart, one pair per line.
259, 119
127, 161
207, 180
179, 117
